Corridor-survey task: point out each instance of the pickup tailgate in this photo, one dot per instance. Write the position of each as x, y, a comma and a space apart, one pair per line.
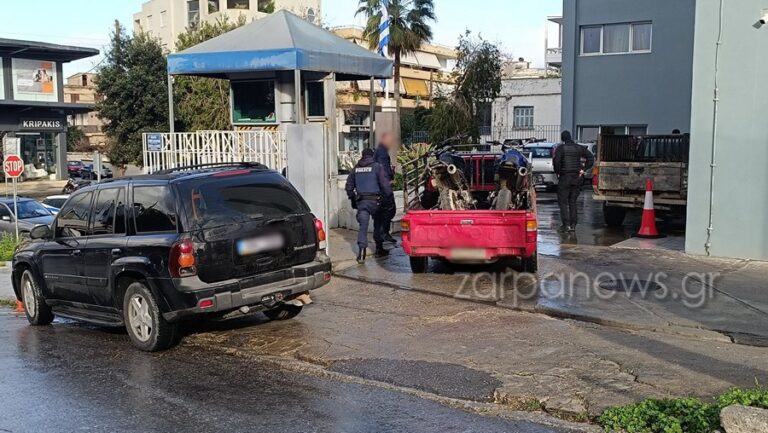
469, 235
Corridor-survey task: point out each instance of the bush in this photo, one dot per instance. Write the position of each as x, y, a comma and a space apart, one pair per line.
7, 247
683, 415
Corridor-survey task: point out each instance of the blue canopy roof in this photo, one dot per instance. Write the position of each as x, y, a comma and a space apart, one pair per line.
280, 42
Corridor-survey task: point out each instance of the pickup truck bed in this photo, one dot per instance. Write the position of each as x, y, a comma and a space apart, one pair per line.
476, 236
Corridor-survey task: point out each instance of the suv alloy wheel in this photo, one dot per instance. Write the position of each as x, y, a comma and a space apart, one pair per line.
37, 311
148, 330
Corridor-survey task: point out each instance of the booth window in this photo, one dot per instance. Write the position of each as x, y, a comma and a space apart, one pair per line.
253, 102
315, 99
238, 4
213, 6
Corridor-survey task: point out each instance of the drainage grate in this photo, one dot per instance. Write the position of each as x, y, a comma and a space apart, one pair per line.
630, 285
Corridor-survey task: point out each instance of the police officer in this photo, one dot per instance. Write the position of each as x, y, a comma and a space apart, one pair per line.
366, 186
382, 221
570, 168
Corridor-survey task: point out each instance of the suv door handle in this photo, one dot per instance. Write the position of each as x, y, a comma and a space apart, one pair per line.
116, 252
76, 252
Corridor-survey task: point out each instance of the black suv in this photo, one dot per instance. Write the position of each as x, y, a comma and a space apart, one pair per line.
149, 251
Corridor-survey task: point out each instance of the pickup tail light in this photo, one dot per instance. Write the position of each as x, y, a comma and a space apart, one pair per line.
531, 228
183, 262
595, 179
405, 226
322, 242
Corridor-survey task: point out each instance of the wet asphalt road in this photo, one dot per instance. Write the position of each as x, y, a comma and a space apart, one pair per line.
69, 377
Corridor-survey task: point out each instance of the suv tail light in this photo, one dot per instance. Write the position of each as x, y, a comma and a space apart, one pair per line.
182, 262
322, 243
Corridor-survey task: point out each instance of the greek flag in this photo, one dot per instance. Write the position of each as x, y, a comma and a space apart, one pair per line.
384, 33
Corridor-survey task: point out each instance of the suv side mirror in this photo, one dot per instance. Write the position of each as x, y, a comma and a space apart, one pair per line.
41, 231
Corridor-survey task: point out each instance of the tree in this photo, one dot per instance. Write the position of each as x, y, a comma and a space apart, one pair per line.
408, 28
133, 94
450, 117
478, 72
203, 103
76, 139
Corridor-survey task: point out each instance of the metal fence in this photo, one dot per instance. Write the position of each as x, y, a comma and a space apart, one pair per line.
165, 150
500, 133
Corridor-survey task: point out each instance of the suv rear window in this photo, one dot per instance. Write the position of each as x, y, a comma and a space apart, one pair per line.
224, 200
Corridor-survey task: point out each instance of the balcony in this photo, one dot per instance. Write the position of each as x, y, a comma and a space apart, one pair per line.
554, 56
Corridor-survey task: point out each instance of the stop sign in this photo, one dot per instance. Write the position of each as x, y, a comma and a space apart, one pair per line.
13, 166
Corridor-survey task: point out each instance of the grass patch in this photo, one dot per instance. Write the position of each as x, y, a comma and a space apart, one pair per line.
8, 246
680, 415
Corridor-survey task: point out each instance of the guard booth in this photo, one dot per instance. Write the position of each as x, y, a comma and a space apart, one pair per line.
283, 73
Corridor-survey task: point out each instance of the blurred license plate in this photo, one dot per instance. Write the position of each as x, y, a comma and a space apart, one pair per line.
247, 247
468, 254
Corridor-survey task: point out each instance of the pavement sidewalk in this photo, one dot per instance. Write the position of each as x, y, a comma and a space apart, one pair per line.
654, 290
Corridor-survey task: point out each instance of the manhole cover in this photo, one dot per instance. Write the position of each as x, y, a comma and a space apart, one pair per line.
630, 285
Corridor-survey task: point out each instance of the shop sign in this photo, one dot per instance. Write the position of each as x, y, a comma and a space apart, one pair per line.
43, 125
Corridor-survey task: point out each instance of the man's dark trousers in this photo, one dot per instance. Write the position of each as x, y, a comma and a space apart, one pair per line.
382, 220
365, 210
568, 190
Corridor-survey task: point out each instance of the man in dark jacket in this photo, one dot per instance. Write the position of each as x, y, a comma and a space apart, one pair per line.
388, 209
569, 164
366, 186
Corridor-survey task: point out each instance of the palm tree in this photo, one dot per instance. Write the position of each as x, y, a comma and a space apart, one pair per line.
408, 28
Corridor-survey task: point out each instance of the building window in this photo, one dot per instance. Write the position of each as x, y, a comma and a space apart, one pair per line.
588, 134
213, 6
149, 24
590, 40
311, 15
238, 4
193, 13
523, 118
315, 99
253, 102
266, 6
163, 18
616, 38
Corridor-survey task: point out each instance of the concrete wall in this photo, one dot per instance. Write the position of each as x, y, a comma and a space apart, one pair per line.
740, 217
543, 94
651, 89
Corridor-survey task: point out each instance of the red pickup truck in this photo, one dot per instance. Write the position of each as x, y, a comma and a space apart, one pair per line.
469, 236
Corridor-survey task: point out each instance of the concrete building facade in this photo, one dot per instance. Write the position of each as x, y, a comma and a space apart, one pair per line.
732, 136
166, 19
627, 66
81, 89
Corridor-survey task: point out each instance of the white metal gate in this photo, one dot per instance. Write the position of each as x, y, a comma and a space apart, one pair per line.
170, 150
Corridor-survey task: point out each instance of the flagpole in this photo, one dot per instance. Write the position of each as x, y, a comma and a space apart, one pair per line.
384, 39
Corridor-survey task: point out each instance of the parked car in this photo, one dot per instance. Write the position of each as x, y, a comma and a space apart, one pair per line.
31, 213
543, 168
74, 168
87, 172
150, 251
54, 202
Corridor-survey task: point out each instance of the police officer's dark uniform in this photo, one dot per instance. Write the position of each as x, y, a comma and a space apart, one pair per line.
569, 167
387, 210
366, 187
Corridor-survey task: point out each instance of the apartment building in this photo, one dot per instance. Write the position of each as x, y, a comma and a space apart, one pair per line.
425, 74
81, 89
627, 66
166, 19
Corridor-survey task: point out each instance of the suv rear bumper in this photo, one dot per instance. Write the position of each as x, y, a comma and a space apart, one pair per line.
260, 291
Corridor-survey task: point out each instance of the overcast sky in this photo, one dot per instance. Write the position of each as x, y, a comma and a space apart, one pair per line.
517, 25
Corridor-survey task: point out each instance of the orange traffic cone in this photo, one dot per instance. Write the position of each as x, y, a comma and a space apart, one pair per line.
19, 307
648, 228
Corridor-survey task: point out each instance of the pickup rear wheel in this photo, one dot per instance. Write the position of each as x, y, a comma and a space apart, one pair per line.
614, 215
147, 328
419, 265
283, 312
531, 264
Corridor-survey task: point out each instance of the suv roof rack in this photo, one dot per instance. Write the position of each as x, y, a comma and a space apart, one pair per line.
214, 165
